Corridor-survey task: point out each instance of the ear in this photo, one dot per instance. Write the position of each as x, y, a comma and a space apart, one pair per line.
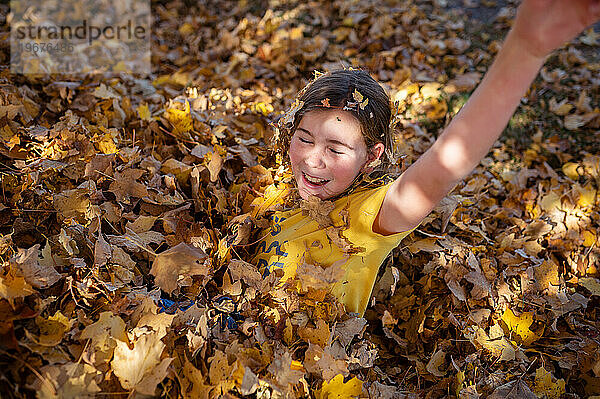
373, 157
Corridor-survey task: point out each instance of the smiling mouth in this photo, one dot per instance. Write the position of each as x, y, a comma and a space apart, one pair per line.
314, 181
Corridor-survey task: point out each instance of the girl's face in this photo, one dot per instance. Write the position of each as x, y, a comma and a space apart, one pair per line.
327, 151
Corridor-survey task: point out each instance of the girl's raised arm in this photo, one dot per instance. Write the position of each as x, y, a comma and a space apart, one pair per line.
540, 27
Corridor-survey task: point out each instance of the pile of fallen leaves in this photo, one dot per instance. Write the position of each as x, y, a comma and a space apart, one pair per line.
131, 207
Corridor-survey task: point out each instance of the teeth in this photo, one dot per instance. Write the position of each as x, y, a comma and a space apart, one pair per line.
315, 180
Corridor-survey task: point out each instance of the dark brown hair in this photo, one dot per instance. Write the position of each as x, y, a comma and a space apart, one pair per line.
353, 90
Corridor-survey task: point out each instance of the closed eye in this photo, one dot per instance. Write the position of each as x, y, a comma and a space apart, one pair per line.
336, 152
304, 140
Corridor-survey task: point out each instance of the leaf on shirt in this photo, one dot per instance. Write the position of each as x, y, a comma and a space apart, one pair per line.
318, 210
318, 278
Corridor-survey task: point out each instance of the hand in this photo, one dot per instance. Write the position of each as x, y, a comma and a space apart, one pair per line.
543, 25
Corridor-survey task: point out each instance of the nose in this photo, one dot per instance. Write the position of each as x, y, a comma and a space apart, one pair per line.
315, 158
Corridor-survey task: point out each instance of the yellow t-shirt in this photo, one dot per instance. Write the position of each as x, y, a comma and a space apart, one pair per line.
292, 234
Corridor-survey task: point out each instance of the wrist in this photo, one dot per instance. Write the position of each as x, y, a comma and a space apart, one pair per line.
526, 49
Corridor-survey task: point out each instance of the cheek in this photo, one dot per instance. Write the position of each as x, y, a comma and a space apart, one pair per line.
294, 154
347, 169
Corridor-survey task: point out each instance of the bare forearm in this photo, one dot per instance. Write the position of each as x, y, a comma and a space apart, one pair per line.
472, 132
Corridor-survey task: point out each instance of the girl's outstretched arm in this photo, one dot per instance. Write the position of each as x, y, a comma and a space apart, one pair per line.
540, 27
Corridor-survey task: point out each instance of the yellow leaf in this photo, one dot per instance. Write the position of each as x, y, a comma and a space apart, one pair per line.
107, 144
460, 382
562, 108
587, 195
13, 286
144, 112
589, 238
520, 326
545, 387
109, 325
337, 389
591, 284
223, 251
141, 368
272, 196
121, 67
550, 202
357, 95
180, 119
264, 108
186, 29
570, 170
53, 329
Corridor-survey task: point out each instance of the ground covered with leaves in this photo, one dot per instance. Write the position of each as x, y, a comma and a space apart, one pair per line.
131, 206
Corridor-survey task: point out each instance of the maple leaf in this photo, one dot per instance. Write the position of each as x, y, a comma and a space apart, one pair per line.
14, 286
180, 119
182, 260
520, 326
220, 373
141, 368
125, 185
516, 389
108, 325
318, 210
52, 329
27, 262
336, 388
68, 381
546, 386
281, 369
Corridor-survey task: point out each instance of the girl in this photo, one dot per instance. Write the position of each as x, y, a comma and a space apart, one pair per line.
339, 129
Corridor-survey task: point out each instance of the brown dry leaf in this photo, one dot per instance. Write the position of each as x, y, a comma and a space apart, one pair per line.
141, 368
318, 335
281, 370
318, 210
214, 164
220, 373
347, 330
102, 251
68, 381
125, 185
591, 284
318, 278
27, 262
108, 325
178, 262
193, 383
516, 389
560, 108
73, 204
437, 360
246, 272
546, 275
14, 286
330, 366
